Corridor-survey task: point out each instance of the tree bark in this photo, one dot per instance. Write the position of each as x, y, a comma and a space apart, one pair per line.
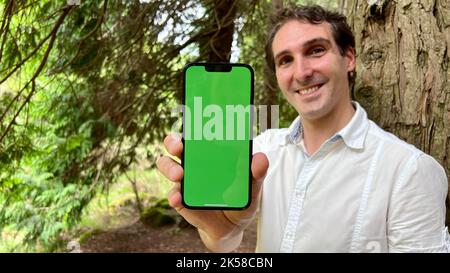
342, 5
271, 89
216, 45
402, 66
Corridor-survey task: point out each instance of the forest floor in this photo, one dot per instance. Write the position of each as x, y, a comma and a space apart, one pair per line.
139, 237
117, 226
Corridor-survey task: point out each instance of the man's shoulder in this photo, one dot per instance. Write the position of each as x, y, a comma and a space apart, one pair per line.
398, 150
271, 138
391, 142
275, 134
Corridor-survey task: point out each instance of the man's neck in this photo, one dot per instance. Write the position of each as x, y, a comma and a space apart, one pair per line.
317, 131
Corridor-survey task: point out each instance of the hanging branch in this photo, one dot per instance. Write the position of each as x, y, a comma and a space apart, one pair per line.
5, 25
52, 35
35, 50
84, 38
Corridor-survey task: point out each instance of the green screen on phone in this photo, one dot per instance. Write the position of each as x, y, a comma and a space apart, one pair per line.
217, 132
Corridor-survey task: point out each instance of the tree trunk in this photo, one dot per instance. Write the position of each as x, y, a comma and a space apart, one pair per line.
342, 6
402, 66
215, 45
271, 90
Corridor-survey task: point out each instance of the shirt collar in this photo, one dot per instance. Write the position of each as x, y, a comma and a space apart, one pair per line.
295, 131
353, 134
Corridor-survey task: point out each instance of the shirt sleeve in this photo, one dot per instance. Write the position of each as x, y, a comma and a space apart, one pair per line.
416, 216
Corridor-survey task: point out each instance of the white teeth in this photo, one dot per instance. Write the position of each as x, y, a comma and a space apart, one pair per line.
309, 90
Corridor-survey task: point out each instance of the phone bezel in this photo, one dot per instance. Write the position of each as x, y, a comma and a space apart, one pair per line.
225, 65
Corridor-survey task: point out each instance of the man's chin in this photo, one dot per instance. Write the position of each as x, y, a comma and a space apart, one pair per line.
311, 114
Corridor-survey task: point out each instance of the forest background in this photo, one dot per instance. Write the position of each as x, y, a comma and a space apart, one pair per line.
87, 90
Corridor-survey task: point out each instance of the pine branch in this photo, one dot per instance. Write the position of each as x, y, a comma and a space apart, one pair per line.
5, 26
52, 36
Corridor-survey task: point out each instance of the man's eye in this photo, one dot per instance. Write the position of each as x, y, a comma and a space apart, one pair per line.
284, 60
318, 51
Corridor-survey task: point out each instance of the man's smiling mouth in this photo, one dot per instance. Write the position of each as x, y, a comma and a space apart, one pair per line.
309, 90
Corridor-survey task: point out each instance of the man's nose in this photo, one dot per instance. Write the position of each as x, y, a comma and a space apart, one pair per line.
302, 70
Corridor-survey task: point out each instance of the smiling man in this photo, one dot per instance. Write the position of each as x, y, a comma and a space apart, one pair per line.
333, 181
312, 73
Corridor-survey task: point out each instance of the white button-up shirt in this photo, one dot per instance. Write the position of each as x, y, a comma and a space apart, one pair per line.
364, 190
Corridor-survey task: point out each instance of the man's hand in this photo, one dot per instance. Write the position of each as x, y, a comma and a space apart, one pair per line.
220, 230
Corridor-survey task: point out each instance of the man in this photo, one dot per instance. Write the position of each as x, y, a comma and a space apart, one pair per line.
333, 181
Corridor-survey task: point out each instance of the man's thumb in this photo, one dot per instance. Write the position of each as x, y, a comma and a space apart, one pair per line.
260, 164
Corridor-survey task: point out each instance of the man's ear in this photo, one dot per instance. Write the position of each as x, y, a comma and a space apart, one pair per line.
351, 59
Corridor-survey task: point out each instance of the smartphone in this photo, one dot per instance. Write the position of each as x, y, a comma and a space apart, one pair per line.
217, 135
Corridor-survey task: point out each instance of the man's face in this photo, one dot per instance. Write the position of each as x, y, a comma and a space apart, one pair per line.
310, 70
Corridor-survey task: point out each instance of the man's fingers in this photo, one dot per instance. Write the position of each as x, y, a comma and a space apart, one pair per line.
173, 145
260, 164
170, 169
174, 197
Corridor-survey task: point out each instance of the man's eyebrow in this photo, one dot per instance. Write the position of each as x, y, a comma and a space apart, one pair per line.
317, 41
306, 44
